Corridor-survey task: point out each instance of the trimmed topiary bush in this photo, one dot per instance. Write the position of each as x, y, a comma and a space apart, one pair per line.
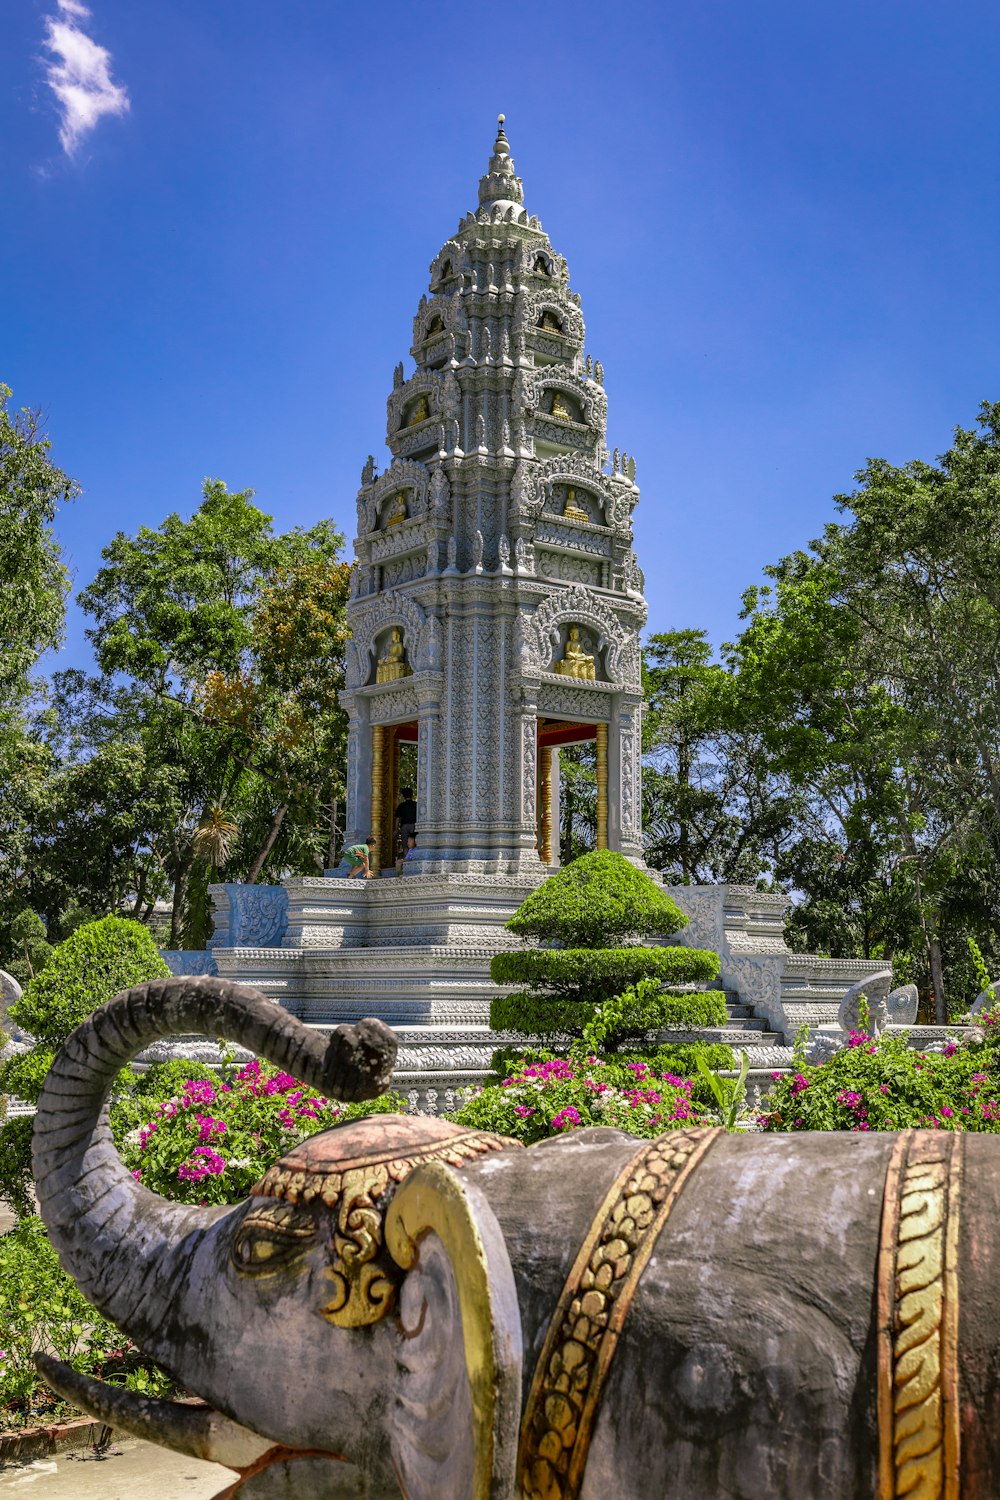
599, 901
535, 1015
598, 982
600, 973
93, 965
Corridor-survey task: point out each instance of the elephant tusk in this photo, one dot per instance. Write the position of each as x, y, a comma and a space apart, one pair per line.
196, 1431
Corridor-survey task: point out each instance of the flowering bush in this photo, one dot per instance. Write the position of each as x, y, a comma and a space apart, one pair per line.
540, 1099
886, 1085
213, 1139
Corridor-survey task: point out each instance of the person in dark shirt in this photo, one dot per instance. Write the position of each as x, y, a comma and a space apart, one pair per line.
406, 815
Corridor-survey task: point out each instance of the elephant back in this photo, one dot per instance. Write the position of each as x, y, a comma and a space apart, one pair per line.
772, 1314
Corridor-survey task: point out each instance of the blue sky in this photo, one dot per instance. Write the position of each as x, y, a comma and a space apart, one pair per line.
783, 220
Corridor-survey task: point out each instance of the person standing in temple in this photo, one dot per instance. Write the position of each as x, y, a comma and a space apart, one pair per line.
406, 816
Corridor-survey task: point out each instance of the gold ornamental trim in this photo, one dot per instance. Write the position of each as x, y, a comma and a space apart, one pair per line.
363, 1278
583, 1334
918, 1409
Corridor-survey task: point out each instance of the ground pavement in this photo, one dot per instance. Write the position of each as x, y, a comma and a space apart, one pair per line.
130, 1471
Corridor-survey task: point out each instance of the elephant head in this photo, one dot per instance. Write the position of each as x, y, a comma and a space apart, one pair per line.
359, 1306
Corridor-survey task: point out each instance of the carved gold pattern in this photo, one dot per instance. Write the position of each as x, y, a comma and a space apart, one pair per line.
545, 804
602, 786
378, 773
582, 1337
363, 1276
918, 1407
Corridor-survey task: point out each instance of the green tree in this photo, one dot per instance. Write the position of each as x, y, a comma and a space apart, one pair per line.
33, 578
231, 639
872, 662
711, 810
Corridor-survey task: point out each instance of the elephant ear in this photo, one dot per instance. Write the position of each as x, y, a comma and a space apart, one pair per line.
458, 1398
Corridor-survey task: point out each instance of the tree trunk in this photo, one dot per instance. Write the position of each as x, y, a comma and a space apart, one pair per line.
272, 833
331, 851
933, 957
177, 905
937, 979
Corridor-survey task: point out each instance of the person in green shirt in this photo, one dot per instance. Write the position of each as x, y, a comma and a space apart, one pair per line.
358, 857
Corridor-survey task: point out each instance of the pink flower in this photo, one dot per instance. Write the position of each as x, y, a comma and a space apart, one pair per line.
566, 1118
523, 1111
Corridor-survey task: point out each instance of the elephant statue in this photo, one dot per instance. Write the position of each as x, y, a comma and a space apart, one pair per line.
406, 1308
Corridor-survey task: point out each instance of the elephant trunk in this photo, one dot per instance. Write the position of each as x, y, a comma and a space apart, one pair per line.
119, 1241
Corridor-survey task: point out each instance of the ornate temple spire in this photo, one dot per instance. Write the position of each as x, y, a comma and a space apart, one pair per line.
500, 185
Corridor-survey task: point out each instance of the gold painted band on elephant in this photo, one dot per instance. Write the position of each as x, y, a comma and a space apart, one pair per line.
918, 1408
583, 1334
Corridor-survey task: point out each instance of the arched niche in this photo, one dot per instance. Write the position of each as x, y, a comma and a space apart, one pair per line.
370, 632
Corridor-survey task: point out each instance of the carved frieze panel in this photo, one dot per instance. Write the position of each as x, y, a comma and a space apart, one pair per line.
393, 703
405, 569
580, 703
410, 536
561, 534
568, 567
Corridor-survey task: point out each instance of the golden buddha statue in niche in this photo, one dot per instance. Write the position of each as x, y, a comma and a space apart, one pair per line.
393, 665
397, 510
419, 412
571, 510
550, 322
561, 409
576, 661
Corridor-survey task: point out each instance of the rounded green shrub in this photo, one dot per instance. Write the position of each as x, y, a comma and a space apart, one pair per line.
598, 901
600, 973
94, 964
531, 1015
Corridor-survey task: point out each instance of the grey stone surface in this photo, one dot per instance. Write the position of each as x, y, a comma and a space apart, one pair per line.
516, 529
746, 928
987, 999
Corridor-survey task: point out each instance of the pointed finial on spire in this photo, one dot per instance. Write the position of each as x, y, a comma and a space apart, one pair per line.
500, 185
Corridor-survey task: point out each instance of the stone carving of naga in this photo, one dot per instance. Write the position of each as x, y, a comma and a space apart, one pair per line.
406, 1308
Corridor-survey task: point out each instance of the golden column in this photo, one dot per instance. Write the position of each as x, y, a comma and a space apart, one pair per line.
391, 757
378, 792
602, 786
545, 803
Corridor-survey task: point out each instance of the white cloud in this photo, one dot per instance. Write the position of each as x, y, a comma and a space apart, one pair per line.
79, 75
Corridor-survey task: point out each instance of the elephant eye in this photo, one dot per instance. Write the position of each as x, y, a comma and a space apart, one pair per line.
270, 1239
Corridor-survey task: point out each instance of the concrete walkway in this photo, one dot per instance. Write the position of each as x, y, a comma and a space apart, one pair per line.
130, 1471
